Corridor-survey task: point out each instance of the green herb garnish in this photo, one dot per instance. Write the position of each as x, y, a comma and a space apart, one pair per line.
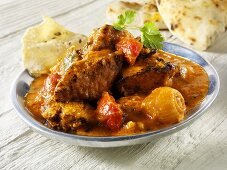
124, 19
150, 35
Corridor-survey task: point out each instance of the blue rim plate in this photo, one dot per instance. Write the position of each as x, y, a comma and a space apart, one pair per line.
21, 86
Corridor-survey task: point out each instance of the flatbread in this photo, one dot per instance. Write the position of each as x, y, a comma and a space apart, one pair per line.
196, 22
145, 11
45, 44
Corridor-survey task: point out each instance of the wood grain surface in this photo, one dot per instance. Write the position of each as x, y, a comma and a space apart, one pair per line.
203, 145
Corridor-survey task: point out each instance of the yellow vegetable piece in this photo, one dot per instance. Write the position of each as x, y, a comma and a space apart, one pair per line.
165, 104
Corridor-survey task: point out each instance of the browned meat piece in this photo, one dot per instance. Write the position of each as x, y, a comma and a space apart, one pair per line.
105, 37
131, 107
97, 67
68, 116
146, 75
87, 79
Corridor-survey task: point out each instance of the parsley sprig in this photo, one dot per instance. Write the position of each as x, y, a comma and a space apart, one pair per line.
150, 35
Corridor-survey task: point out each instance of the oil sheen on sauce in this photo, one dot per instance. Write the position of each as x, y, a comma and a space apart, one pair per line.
193, 87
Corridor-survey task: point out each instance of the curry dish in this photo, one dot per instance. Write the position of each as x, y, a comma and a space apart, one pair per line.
116, 86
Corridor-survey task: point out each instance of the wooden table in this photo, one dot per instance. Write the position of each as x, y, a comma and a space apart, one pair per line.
203, 145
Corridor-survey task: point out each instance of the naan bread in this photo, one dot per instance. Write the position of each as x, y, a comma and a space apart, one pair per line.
195, 22
45, 44
145, 11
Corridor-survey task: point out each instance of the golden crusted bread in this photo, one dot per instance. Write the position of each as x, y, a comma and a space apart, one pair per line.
45, 44
197, 23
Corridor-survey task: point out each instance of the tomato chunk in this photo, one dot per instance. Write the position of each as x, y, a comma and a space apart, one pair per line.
131, 49
109, 113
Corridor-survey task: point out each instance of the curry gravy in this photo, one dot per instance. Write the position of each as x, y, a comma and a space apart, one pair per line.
192, 84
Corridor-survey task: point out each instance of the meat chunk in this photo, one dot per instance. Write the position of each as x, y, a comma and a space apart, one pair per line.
88, 78
131, 106
146, 75
71, 56
105, 37
98, 66
68, 116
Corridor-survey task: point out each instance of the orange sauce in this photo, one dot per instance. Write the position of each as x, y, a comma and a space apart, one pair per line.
193, 86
